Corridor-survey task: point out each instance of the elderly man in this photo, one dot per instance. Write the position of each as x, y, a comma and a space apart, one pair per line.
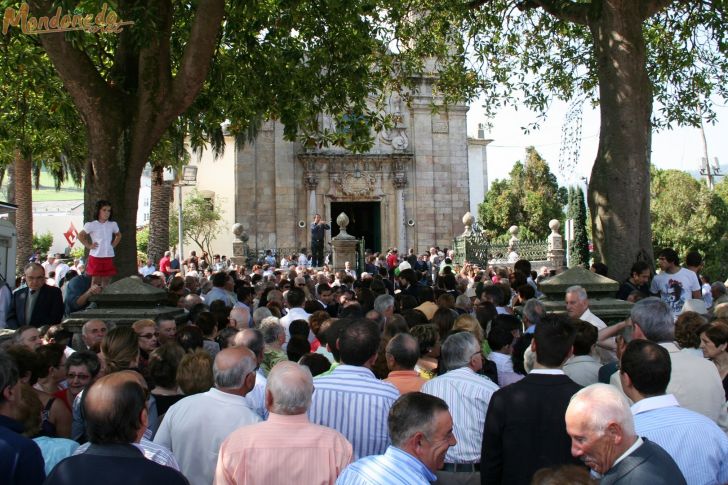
92, 333
522, 433
116, 418
37, 304
694, 381
287, 447
601, 427
384, 305
194, 428
467, 395
253, 340
274, 336
697, 444
577, 306
20, 458
242, 317
167, 329
402, 353
719, 293
350, 399
422, 432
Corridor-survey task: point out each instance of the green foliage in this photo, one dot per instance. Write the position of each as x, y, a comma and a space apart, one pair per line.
687, 216
579, 247
529, 199
532, 52
201, 221
37, 116
78, 251
142, 239
43, 242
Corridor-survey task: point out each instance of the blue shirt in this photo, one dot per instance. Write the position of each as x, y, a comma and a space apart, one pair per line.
695, 442
394, 467
356, 404
20, 459
217, 293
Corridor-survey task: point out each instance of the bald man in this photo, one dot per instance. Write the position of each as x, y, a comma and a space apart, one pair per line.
194, 428
286, 447
116, 418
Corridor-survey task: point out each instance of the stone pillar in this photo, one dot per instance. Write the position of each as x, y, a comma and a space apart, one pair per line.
311, 182
556, 246
400, 182
344, 245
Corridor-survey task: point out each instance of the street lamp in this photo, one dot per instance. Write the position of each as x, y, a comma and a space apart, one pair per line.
189, 177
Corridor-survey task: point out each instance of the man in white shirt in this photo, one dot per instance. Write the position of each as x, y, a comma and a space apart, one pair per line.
295, 298
577, 306
674, 285
467, 394
694, 381
194, 428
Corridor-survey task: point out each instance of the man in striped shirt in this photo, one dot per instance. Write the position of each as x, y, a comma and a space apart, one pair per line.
467, 394
350, 399
695, 442
422, 432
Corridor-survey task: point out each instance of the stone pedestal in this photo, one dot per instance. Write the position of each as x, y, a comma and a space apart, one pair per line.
556, 247
344, 250
344, 245
599, 289
123, 303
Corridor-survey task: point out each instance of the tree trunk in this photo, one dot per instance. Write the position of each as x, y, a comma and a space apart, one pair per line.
619, 189
159, 215
24, 215
113, 173
10, 184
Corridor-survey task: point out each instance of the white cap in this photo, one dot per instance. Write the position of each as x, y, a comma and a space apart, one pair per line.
404, 265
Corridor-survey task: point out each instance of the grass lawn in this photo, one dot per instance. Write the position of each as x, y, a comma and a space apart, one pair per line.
45, 195
47, 192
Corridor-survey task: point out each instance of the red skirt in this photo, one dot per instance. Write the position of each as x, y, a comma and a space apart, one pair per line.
100, 266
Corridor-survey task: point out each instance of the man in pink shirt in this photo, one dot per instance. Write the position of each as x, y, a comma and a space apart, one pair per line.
402, 354
287, 448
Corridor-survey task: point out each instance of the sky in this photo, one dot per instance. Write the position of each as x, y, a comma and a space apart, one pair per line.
680, 148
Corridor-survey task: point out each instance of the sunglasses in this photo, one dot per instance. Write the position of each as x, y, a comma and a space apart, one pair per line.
149, 335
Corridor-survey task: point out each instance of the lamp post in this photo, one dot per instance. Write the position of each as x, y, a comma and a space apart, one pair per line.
189, 177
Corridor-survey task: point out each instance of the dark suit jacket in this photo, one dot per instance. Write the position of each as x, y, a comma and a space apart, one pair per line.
647, 464
48, 308
113, 465
525, 429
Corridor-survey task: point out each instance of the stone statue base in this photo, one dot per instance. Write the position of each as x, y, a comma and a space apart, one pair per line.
344, 250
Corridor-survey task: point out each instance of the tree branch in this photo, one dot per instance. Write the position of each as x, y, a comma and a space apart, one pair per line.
561, 9
92, 96
648, 8
197, 57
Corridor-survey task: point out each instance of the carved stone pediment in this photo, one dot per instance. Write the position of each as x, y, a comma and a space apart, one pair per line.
357, 185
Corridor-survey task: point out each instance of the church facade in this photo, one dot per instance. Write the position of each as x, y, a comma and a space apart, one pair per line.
410, 190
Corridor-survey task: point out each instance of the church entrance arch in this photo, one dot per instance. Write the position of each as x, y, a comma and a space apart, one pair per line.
365, 221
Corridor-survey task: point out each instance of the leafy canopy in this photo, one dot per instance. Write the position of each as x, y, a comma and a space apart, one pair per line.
687, 216
530, 198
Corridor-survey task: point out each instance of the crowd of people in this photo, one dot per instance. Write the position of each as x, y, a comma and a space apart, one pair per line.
423, 370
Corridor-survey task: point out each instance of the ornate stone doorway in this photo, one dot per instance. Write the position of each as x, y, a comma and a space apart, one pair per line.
365, 221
